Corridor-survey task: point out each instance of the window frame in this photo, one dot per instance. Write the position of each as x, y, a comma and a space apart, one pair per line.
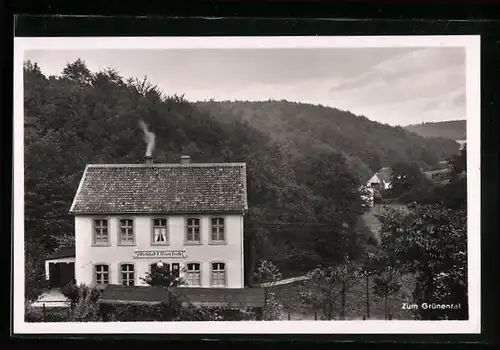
94, 274
167, 241
94, 227
119, 240
120, 271
186, 230
212, 274
186, 273
215, 217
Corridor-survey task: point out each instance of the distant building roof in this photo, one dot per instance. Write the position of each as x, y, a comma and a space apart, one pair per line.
161, 188
383, 175
65, 252
233, 297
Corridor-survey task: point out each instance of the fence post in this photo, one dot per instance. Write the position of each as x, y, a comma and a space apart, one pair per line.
44, 313
389, 317
288, 315
315, 316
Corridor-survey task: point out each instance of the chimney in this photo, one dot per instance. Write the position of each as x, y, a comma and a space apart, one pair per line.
148, 160
185, 159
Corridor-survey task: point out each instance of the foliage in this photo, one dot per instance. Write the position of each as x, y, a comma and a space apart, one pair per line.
266, 272
406, 180
51, 314
163, 277
34, 271
452, 130
86, 308
75, 292
273, 309
431, 241
329, 284
303, 129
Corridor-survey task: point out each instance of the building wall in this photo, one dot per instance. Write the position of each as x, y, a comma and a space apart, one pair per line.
88, 255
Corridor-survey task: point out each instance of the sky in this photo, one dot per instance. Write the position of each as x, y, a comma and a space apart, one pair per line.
397, 86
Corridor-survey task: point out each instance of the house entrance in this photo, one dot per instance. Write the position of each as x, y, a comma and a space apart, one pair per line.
60, 274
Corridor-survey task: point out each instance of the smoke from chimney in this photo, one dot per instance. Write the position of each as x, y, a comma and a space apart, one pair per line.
149, 137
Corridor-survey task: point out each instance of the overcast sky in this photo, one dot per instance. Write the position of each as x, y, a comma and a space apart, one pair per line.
398, 86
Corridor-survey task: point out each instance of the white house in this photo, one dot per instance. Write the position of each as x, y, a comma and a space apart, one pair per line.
188, 216
381, 180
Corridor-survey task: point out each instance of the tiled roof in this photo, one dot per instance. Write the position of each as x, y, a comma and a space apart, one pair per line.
233, 297
65, 252
161, 188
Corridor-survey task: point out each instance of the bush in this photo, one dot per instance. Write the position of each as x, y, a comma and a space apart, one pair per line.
54, 314
273, 309
266, 272
74, 292
86, 308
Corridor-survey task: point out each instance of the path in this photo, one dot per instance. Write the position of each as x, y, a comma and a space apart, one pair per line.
285, 281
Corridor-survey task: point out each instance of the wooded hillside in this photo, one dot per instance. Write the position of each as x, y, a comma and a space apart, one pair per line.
304, 129
452, 130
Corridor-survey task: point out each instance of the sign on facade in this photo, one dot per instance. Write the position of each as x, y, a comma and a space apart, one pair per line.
147, 254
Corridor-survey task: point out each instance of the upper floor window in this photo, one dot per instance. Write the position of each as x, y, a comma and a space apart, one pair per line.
160, 233
193, 274
127, 274
219, 274
218, 230
102, 274
101, 234
126, 231
193, 230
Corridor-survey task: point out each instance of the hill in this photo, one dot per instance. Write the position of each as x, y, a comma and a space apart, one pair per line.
304, 129
451, 130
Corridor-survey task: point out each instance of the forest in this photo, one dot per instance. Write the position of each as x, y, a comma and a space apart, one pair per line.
305, 163
452, 130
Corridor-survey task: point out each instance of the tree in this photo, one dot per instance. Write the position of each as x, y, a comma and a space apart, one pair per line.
430, 241
406, 178
266, 272
386, 283
161, 276
329, 284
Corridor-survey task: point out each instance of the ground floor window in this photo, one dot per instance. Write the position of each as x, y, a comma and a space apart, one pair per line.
102, 274
218, 274
193, 274
127, 274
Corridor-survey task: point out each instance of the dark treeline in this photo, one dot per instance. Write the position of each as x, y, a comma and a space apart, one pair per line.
304, 206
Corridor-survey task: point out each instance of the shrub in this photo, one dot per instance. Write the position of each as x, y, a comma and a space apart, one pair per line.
86, 308
52, 314
74, 292
266, 272
273, 309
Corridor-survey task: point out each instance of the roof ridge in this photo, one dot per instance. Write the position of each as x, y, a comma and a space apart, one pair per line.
165, 165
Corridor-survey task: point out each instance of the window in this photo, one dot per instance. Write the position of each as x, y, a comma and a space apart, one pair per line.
160, 231
126, 231
193, 274
102, 274
218, 274
193, 230
127, 274
218, 234
101, 236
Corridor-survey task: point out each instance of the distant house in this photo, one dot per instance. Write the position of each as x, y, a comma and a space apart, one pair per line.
130, 218
380, 181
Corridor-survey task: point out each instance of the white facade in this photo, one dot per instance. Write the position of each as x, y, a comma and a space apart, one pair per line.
220, 261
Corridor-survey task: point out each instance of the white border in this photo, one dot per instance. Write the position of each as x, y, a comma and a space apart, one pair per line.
471, 43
